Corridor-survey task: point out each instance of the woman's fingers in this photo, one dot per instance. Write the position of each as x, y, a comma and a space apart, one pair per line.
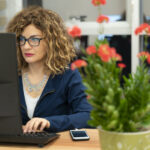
36, 123
30, 125
43, 125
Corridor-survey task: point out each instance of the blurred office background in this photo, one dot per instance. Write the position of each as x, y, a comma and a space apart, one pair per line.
124, 16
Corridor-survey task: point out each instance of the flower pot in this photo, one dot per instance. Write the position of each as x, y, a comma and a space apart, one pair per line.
124, 141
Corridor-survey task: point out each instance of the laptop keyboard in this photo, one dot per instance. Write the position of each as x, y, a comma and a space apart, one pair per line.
37, 134
40, 138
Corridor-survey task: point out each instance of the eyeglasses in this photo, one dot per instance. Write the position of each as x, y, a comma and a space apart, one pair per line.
33, 41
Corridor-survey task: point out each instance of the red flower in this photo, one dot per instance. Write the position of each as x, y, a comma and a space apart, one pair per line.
75, 31
102, 18
143, 27
98, 2
138, 30
103, 2
115, 56
148, 59
91, 50
118, 57
104, 53
143, 54
121, 65
78, 64
148, 30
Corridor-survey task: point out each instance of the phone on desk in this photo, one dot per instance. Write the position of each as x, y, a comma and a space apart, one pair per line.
79, 135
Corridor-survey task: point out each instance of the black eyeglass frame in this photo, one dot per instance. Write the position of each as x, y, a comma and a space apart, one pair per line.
28, 40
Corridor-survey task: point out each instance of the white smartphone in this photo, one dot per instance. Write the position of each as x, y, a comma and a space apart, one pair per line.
79, 135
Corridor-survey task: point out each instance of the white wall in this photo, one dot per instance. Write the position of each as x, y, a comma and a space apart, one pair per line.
146, 7
67, 8
10, 9
13, 6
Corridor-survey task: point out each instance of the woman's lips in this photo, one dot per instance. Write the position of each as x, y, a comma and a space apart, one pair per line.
28, 54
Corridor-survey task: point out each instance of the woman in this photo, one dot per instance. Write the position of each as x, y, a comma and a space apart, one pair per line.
52, 95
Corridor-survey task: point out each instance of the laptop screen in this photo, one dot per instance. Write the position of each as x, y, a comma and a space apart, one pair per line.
10, 116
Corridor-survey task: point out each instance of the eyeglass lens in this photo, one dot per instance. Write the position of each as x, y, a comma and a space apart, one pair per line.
33, 41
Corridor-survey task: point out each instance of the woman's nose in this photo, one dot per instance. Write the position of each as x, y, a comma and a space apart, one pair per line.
27, 45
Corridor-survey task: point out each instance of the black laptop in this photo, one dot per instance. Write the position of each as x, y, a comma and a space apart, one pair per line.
10, 115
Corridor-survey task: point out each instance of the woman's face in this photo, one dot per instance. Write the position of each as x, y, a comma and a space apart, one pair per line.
32, 44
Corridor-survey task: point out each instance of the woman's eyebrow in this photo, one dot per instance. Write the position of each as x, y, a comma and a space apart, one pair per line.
32, 35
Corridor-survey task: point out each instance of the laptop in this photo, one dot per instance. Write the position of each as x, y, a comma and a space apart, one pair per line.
10, 114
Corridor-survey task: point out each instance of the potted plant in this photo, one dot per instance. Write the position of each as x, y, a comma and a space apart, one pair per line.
120, 112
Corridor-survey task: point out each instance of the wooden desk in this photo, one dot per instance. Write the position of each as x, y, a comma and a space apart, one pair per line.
64, 142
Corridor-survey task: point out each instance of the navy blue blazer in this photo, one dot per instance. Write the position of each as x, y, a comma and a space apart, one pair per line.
62, 102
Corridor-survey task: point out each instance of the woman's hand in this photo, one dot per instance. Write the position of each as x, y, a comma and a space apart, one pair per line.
36, 124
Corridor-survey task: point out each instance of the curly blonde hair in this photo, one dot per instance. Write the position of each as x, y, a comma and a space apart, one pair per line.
61, 50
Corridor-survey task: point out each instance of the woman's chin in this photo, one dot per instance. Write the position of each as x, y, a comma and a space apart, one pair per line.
30, 61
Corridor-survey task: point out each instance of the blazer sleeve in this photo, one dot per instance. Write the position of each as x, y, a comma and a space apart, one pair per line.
78, 105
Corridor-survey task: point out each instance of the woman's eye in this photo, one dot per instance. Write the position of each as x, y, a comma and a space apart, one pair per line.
34, 39
21, 39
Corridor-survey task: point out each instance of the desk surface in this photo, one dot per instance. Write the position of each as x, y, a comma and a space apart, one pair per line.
64, 142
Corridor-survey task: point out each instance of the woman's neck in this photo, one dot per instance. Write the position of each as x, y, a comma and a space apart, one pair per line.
34, 79
35, 70
35, 73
